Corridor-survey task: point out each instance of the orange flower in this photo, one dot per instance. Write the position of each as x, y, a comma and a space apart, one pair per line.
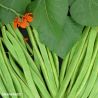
23, 24
28, 17
16, 22
24, 21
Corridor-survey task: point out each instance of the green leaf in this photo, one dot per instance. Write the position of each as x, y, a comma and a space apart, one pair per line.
71, 2
85, 12
62, 42
31, 6
52, 12
71, 33
56, 30
10, 8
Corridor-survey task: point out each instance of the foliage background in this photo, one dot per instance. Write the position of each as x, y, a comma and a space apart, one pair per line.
59, 22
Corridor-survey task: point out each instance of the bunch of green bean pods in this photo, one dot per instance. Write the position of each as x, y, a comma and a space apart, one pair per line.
33, 71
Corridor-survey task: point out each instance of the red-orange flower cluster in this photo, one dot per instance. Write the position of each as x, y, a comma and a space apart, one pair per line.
24, 21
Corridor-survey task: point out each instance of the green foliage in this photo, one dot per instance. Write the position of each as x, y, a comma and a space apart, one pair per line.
85, 12
59, 22
56, 30
9, 9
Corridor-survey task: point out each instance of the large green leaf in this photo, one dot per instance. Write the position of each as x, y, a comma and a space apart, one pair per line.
10, 8
55, 29
71, 33
85, 12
